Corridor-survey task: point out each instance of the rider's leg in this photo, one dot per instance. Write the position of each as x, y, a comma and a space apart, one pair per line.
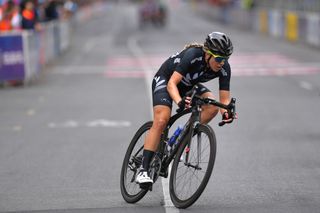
208, 111
161, 116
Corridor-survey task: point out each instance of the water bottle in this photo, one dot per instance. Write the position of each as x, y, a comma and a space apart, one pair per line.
175, 135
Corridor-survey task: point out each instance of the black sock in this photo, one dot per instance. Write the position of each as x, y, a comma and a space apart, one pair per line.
147, 157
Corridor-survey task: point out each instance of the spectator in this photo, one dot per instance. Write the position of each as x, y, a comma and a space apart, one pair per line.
70, 8
9, 17
29, 16
247, 4
51, 12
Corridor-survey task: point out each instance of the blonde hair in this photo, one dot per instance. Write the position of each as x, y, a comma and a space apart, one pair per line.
192, 45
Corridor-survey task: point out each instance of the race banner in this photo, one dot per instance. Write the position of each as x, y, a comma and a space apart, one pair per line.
12, 66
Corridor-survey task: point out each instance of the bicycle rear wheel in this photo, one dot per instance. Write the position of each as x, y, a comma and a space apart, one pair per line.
130, 190
192, 167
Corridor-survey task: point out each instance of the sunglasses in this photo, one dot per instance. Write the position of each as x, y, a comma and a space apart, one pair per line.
218, 58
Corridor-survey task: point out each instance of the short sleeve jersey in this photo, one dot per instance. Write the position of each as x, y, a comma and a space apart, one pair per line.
191, 64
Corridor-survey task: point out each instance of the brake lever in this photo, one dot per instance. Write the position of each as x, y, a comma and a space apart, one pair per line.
231, 110
222, 123
192, 92
195, 88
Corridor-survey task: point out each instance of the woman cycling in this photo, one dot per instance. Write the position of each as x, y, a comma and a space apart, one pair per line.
177, 75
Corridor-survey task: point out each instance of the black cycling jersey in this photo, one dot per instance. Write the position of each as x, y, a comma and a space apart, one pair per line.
191, 64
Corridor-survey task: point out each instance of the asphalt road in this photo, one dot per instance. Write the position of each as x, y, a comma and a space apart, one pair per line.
62, 139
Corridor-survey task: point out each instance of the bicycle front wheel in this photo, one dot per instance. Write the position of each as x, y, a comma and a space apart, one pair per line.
130, 190
192, 167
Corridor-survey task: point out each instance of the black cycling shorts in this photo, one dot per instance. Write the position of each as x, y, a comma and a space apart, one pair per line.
160, 95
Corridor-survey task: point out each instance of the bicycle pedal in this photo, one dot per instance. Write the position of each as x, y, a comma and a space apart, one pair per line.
146, 186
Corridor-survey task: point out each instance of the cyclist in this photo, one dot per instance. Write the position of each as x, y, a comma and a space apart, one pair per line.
178, 74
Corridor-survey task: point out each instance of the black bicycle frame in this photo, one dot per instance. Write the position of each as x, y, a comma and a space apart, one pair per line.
186, 132
193, 121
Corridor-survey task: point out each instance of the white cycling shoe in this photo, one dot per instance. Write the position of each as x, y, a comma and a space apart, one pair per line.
143, 178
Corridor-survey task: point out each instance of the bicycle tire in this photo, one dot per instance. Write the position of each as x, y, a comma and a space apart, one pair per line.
140, 193
183, 203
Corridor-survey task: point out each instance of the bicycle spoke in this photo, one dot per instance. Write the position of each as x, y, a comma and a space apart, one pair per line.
189, 175
182, 175
130, 190
187, 181
187, 184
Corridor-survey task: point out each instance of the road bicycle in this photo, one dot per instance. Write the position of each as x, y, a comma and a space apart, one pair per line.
193, 155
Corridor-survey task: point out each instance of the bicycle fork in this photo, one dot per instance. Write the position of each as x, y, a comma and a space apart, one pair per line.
198, 153
188, 148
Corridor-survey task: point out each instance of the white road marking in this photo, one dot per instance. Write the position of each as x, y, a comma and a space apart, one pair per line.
148, 75
108, 123
90, 124
66, 124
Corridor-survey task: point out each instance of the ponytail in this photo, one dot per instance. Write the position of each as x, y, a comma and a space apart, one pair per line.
192, 45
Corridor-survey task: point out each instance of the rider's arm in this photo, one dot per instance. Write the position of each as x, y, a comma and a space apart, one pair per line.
224, 86
183, 67
224, 96
172, 87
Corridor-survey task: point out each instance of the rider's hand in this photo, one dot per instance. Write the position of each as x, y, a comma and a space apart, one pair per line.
185, 103
226, 118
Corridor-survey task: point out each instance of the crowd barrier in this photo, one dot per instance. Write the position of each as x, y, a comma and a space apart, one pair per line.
24, 54
293, 26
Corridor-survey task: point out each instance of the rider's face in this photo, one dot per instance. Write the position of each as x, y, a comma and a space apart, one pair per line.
214, 65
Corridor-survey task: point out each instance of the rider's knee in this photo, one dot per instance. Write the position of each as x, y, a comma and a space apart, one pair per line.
160, 124
212, 111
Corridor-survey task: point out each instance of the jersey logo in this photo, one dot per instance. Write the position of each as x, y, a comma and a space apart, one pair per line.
176, 61
160, 84
194, 76
224, 72
165, 100
186, 82
157, 78
175, 55
196, 59
188, 78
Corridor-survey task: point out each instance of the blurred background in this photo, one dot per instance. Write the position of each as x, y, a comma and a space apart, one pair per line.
43, 27
75, 85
